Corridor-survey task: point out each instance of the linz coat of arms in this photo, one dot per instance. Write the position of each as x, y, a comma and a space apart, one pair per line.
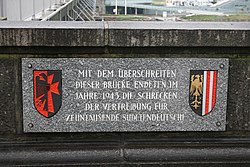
47, 91
202, 92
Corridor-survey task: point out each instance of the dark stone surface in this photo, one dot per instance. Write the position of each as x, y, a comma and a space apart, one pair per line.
183, 154
51, 37
52, 154
125, 149
72, 154
7, 96
239, 95
171, 38
151, 34
53, 34
121, 34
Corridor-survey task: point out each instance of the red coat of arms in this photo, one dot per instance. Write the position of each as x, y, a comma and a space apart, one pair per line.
47, 91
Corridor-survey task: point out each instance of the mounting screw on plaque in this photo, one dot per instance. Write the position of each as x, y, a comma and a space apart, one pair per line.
222, 65
218, 123
30, 125
30, 66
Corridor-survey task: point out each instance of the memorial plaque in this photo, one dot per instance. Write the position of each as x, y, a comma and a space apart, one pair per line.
127, 94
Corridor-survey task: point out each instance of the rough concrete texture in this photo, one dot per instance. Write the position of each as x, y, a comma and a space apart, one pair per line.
239, 95
124, 34
54, 34
152, 38
56, 154
7, 96
177, 34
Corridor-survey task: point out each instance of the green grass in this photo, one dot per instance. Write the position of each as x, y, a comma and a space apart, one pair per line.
237, 17
159, 2
5, 56
123, 17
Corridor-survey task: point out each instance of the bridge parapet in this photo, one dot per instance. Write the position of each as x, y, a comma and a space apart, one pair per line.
125, 34
119, 40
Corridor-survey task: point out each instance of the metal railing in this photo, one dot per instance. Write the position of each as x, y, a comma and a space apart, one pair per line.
81, 10
39, 9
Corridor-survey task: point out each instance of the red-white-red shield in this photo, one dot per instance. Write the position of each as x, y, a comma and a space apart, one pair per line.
202, 92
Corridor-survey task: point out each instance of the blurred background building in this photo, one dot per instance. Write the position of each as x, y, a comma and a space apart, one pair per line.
61, 10
92, 10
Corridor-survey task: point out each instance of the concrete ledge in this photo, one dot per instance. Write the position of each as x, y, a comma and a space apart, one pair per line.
51, 34
50, 25
126, 25
93, 154
125, 34
178, 25
178, 34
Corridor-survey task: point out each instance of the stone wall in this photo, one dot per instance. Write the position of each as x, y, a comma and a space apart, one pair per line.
124, 39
